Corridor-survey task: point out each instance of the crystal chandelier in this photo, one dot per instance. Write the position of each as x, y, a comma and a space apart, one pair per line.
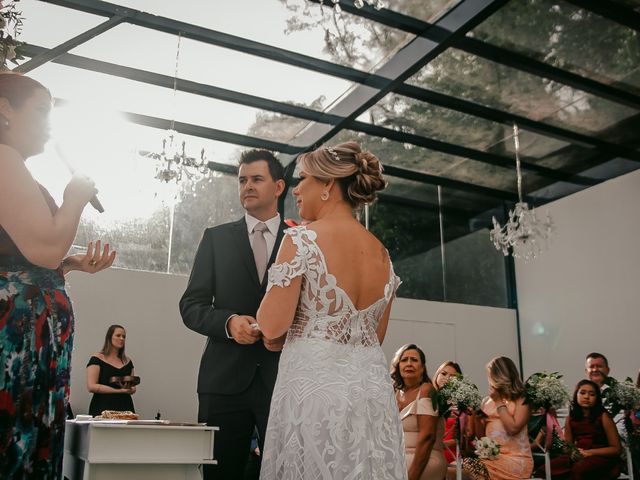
524, 233
335, 4
173, 161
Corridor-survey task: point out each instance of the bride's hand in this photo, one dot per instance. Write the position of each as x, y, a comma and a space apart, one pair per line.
275, 344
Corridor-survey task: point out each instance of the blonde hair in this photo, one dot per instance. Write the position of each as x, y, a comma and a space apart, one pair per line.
504, 377
357, 172
451, 364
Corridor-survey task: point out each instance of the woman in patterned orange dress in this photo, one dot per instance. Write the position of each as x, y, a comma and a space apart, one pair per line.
503, 418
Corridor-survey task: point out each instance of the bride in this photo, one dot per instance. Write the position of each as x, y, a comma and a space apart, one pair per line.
333, 412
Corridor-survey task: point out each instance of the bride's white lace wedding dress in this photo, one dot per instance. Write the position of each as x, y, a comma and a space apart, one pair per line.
333, 411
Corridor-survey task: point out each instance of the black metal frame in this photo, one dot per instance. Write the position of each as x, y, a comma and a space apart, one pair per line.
431, 40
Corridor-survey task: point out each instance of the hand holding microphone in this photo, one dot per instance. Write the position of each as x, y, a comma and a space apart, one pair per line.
79, 185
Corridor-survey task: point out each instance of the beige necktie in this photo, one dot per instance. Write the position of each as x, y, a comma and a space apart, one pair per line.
259, 247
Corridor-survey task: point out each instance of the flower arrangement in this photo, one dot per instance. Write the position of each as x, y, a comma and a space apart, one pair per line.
457, 392
546, 390
486, 448
10, 25
620, 395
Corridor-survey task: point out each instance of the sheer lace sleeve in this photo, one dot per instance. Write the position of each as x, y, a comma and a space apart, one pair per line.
394, 282
281, 274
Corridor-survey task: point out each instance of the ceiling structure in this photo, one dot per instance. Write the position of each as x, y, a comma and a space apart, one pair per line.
433, 88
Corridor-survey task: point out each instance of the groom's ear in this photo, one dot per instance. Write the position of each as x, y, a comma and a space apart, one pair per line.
280, 185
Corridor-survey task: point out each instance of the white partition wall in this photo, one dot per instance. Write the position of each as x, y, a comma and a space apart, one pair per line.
583, 294
166, 354
468, 334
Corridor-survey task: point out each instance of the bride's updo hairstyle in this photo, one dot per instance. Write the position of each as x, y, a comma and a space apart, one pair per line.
358, 173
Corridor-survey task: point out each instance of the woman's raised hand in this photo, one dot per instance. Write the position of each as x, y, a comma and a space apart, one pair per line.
93, 261
80, 189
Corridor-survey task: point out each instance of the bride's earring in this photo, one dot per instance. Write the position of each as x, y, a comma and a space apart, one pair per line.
324, 196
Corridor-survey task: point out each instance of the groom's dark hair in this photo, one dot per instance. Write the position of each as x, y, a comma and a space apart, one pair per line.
276, 170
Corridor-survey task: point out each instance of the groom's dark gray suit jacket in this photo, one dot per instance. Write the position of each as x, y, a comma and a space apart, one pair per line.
224, 281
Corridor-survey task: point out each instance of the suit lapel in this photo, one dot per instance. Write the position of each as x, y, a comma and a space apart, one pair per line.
241, 237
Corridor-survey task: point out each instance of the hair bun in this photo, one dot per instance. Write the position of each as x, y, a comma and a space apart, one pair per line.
368, 178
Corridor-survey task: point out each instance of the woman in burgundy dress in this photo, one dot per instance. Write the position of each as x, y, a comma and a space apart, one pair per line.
592, 431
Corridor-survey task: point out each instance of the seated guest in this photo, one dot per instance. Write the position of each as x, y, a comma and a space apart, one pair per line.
592, 431
423, 427
443, 374
503, 418
597, 368
110, 362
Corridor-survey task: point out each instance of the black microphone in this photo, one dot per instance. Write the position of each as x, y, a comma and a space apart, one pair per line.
95, 203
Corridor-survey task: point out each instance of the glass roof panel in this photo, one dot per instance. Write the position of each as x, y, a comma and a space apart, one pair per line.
554, 32
412, 116
155, 51
120, 94
460, 74
427, 11
440, 164
296, 25
635, 4
42, 23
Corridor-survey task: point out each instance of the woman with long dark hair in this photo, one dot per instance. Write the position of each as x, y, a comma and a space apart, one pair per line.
108, 363
422, 426
593, 433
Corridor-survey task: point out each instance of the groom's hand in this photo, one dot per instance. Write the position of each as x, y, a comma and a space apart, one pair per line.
241, 330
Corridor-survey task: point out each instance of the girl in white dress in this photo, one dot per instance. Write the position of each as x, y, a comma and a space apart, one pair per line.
333, 412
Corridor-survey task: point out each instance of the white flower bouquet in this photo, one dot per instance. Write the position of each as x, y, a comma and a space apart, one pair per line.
546, 390
460, 393
486, 448
620, 395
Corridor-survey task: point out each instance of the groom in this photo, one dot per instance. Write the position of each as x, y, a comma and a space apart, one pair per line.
228, 280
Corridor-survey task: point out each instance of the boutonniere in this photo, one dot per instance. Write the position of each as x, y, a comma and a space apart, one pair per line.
290, 222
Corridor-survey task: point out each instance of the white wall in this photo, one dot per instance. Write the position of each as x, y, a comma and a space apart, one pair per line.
166, 354
583, 293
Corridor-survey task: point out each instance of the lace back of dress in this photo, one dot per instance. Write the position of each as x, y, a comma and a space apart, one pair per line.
325, 311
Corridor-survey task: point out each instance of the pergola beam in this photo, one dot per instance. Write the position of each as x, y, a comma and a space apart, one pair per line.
347, 73
305, 113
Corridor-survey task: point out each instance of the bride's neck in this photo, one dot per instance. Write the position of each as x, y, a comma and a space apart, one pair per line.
336, 211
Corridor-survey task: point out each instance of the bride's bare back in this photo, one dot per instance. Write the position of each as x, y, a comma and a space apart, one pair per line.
355, 257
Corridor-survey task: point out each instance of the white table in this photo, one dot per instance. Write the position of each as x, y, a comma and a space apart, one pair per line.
108, 451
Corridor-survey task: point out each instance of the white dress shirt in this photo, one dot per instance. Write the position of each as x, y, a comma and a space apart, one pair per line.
269, 235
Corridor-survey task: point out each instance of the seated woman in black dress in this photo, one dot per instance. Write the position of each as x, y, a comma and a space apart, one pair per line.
110, 362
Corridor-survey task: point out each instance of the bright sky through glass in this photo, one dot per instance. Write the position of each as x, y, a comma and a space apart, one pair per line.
102, 145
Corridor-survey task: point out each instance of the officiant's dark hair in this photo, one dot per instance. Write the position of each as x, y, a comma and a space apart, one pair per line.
106, 348
255, 155
398, 382
576, 412
18, 88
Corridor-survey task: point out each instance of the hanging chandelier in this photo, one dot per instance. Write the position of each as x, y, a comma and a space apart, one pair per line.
523, 234
173, 163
